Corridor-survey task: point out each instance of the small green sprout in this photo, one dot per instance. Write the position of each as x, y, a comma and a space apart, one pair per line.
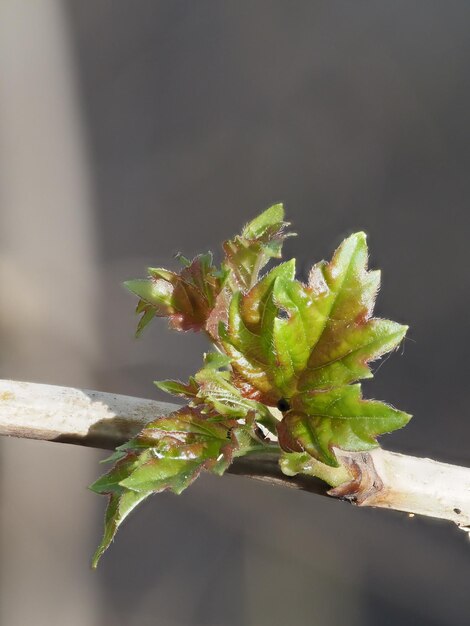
283, 376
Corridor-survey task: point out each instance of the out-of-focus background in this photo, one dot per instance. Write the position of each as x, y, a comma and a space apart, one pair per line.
130, 131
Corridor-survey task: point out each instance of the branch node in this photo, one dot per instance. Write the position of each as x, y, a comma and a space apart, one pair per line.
366, 482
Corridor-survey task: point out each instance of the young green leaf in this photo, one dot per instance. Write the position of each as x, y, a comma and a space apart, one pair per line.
303, 344
168, 454
260, 241
119, 507
197, 298
215, 387
187, 298
337, 418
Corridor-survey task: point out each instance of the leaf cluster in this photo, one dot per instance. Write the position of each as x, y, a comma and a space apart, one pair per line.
284, 375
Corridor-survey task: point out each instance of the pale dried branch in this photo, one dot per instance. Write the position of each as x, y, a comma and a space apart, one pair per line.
92, 418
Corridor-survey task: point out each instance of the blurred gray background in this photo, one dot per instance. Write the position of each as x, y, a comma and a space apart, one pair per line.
130, 131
